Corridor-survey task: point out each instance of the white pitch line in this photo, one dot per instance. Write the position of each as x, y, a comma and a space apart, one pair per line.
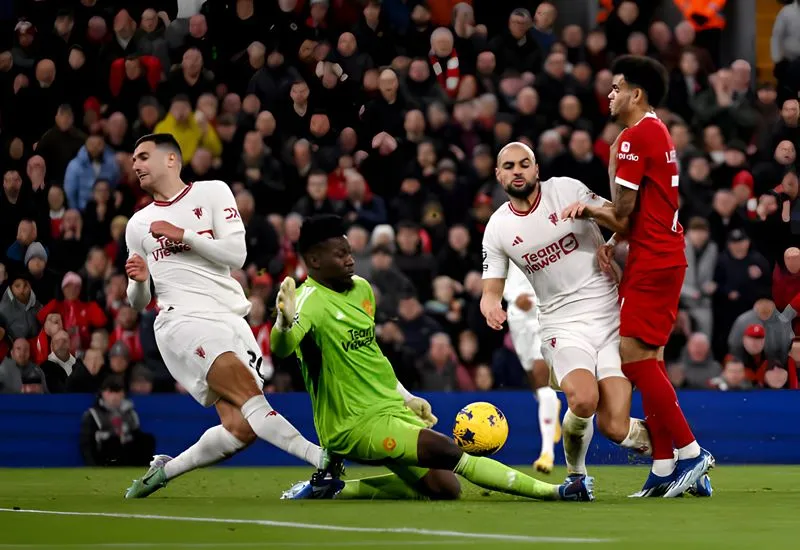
370, 543
321, 527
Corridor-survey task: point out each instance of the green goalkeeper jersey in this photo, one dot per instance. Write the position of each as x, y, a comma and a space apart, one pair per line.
345, 372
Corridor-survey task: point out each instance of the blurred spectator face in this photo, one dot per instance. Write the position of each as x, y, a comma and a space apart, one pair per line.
764, 308
792, 260
26, 232
458, 238
408, 240
118, 362
518, 25
112, 399
527, 101
381, 261
464, 114
467, 345
739, 249
580, 144
550, 145
437, 116
299, 93
355, 186
124, 25
637, 44
317, 187
596, 42
319, 10
53, 324
689, 65
419, 71
208, 105
370, 80
64, 119
59, 345
358, 239
72, 291
347, 44
569, 108
149, 115
12, 183
348, 140
409, 309
660, 35
97, 28
484, 381
583, 74
232, 104
301, 153
388, 85
680, 136
473, 283
698, 237
572, 36
410, 186
734, 373
192, 62
442, 42
201, 161
785, 153
320, 125
265, 123
133, 69
753, 345
420, 15
545, 16
769, 203
291, 227
790, 112
45, 72
95, 145
440, 350
6, 61
712, 137
21, 289
414, 123
72, 221
306, 51
699, 169
698, 347
503, 131
767, 95
226, 131
556, 65
741, 72
684, 34
724, 203
117, 127
734, 157
486, 63
245, 204
63, 25
96, 263
776, 377
116, 287
76, 58
253, 145
180, 110
628, 12
426, 154
198, 26
794, 353
21, 351
149, 21
93, 360
36, 266
443, 289
256, 55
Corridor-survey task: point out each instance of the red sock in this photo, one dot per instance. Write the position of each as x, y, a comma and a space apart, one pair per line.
660, 402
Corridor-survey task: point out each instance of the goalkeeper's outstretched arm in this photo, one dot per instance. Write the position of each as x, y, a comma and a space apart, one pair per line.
289, 330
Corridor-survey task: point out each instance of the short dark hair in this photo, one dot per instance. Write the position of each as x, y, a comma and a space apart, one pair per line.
645, 73
161, 141
318, 229
65, 108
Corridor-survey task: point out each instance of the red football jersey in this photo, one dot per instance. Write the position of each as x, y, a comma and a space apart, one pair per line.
647, 163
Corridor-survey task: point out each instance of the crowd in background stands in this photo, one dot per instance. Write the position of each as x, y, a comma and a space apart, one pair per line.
389, 114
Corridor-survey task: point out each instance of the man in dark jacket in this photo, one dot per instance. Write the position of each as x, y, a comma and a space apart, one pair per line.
110, 430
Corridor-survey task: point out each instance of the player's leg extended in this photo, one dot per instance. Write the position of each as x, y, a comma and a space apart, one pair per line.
574, 368
549, 408
229, 378
406, 483
216, 444
613, 416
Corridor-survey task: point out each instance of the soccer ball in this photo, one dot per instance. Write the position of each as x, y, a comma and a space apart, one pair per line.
481, 429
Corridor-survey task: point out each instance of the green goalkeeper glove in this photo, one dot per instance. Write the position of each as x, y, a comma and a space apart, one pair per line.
285, 304
422, 409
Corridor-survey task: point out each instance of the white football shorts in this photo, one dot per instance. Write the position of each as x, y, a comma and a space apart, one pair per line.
525, 334
189, 344
598, 337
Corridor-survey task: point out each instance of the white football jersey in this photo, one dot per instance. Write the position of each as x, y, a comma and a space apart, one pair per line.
556, 256
183, 279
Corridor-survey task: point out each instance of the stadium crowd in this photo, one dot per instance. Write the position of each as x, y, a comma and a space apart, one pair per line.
389, 114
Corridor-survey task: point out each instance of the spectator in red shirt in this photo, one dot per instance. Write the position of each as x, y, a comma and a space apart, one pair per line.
127, 332
40, 346
79, 317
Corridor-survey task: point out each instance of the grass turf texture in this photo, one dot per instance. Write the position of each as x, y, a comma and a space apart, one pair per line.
752, 507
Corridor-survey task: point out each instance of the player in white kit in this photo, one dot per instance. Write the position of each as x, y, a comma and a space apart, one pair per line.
187, 241
577, 303
523, 324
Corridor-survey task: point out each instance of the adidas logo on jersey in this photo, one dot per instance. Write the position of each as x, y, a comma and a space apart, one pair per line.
517, 240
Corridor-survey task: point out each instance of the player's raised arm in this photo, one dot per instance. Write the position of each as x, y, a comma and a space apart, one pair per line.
495, 271
293, 321
227, 247
136, 268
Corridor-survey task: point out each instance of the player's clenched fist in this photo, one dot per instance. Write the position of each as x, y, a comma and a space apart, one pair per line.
285, 304
422, 409
136, 268
166, 229
494, 314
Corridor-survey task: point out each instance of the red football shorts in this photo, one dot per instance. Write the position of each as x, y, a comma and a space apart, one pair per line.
649, 303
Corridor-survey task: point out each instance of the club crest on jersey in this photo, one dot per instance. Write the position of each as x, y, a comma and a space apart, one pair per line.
550, 254
625, 147
200, 352
198, 212
553, 217
552, 342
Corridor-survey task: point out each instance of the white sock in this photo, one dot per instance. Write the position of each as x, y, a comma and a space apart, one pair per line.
638, 438
214, 445
692, 450
273, 428
548, 416
663, 466
578, 434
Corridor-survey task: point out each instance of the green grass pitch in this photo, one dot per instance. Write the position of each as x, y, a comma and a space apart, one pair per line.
756, 507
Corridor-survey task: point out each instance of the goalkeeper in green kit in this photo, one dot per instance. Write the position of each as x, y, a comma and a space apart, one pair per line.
361, 412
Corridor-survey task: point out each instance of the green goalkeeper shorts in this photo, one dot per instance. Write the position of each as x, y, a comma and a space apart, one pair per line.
389, 437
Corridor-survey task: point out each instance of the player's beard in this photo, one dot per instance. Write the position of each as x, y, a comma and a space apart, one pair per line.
522, 192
